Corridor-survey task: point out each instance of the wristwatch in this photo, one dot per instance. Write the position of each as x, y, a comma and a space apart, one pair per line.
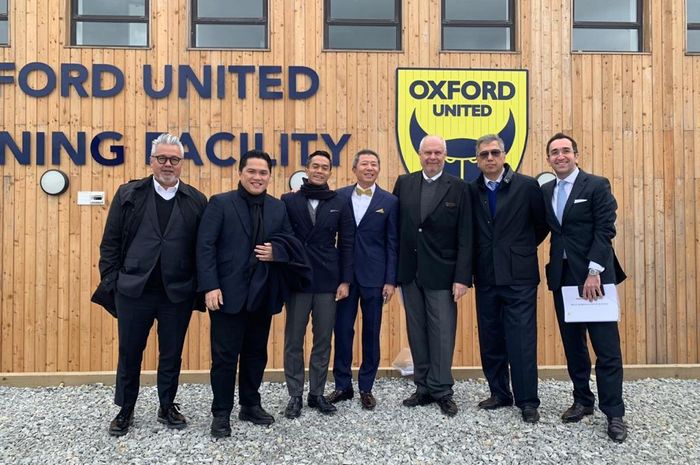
593, 272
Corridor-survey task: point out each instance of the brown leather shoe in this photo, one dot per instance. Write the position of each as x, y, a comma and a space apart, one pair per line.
576, 412
338, 395
367, 400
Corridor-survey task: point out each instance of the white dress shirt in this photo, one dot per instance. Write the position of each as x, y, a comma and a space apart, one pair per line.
166, 192
360, 203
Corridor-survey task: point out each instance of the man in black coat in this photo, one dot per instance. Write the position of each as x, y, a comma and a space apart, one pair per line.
510, 223
245, 235
581, 215
324, 223
434, 269
147, 262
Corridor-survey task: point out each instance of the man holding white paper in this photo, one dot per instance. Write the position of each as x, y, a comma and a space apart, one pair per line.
581, 215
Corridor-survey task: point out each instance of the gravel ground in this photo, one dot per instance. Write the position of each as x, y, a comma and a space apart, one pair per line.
68, 425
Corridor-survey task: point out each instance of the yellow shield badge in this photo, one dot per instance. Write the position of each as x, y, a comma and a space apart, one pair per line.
461, 105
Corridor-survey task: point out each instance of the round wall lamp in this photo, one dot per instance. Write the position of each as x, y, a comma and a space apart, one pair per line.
296, 180
54, 182
544, 178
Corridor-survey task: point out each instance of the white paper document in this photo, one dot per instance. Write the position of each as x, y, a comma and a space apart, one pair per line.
579, 310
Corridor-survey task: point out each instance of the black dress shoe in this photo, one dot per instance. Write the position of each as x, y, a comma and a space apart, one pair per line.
337, 395
293, 409
576, 412
120, 425
256, 415
617, 429
367, 400
321, 404
418, 399
448, 406
220, 427
171, 417
530, 414
494, 402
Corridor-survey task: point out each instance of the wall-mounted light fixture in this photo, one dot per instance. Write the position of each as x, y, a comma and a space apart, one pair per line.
296, 180
54, 182
544, 178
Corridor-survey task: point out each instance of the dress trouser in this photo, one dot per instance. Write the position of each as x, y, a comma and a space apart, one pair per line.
135, 317
605, 340
507, 319
238, 338
322, 310
431, 323
371, 301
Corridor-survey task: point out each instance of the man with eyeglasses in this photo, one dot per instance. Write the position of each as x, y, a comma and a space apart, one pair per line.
508, 210
147, 265
581, 215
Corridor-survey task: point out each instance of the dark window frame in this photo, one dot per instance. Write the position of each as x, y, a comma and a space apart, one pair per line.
396, 23
76, 18
196, 20
622, 25
6, 17
468, 23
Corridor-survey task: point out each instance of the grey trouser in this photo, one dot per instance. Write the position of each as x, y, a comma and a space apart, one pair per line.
322, 310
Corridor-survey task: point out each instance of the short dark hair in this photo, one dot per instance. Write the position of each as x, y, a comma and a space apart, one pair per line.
321, 153
255, 154
356, 158
561, 135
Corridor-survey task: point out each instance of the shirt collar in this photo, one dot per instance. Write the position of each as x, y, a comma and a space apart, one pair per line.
434, 178
570, 178
165, 190
498, 179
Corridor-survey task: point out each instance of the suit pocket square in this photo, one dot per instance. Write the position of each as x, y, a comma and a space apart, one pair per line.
450, 204
334, 211
580, 200
381, 210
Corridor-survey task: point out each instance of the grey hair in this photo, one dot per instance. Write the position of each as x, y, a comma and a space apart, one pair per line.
444, 144
487, 139
167, 139
356, 158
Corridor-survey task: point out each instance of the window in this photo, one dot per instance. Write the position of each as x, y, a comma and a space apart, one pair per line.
362, 24
607, 26
229, 24
121, 23
478, 24
693, 18
4, 36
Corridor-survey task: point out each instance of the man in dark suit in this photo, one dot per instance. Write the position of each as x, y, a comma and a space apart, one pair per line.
147, 260
581, 215
242, 233
375, 255
510, 223
434, 270
320, 219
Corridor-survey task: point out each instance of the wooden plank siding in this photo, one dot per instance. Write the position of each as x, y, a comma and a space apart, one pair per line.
633, 115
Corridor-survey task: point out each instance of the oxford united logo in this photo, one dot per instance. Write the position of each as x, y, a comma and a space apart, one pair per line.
461, 105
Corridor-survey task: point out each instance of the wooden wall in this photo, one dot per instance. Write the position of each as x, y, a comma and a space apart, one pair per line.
634, 115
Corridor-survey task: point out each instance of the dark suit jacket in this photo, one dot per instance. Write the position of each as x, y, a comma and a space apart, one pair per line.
126, 213
506, 246
376, 239
586, 232
224, 245
331, 264
438, 251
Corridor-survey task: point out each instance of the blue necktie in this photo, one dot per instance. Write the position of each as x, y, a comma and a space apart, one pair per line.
561, 199
492, 185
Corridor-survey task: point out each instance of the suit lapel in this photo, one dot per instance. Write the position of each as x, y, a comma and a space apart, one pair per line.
267, 217
579, 184
241, 208
443, 185
548, 191
413, 186
373, 204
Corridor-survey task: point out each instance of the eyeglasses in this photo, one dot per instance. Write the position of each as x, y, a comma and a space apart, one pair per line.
562, 151
495, 153
174, 161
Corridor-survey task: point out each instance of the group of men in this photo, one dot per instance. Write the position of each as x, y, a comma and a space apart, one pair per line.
322, 252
